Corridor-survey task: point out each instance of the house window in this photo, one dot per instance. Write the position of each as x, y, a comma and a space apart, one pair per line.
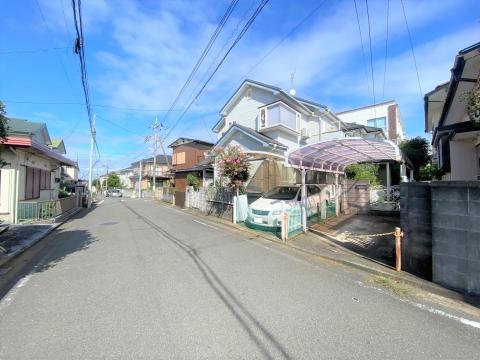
380, 122
178, 158
36, 180
280, 114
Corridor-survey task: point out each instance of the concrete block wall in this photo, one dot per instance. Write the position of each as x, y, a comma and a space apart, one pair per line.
355, 197
416, 224
456, 235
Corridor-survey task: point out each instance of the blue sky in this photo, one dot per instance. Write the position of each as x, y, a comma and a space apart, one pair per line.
139, 53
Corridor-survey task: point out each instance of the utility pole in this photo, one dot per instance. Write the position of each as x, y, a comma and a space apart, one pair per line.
106, 179
155, 139
90, 167
140, 181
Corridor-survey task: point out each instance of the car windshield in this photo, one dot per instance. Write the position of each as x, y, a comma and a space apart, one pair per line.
282, 193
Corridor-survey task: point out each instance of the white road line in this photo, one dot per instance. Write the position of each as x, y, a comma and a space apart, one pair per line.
432, 310
8, 299
101, 202
210, 226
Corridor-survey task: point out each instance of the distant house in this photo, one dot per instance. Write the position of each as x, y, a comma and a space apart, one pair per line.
126, 177
455, 136
189, 157
161, 172
385, 115
68, 174
32, 170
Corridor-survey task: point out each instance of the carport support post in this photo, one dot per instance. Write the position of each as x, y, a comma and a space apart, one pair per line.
337, 196
304, 200
388, 181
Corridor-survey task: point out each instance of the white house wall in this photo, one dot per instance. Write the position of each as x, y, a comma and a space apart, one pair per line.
245, 110
463, 160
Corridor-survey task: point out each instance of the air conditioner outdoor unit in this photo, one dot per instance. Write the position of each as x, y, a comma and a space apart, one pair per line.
305, 133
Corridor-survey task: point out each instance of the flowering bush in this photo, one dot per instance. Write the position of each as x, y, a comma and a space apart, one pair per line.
233, 165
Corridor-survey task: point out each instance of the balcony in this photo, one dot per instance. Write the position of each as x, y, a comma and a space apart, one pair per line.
279, 115
149, 173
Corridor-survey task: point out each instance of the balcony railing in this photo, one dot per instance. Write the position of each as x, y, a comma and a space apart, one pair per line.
149, 173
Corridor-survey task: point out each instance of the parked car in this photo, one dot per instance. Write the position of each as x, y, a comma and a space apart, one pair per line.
267, 211
114, 193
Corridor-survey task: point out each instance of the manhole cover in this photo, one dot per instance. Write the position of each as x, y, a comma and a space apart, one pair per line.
109, 223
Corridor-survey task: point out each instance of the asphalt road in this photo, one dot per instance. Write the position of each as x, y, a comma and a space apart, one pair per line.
136, 280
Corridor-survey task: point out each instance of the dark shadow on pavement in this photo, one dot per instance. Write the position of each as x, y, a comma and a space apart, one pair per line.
44, 255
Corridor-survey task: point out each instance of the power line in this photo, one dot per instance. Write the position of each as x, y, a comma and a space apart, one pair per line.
83, 104
411, 47
291, 32
32, 51
239, 37
371, 58
120, 126
51, 35
363, 48
205, 51
386, 53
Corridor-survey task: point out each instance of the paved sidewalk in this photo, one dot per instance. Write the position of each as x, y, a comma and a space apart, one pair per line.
20, 237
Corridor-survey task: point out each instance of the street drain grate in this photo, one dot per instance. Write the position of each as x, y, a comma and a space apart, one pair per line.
109, 223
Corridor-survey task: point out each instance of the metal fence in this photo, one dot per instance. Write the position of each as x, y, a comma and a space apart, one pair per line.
219, 194
385, 199
45, 210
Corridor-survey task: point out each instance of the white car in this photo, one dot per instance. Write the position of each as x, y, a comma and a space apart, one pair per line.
267, 211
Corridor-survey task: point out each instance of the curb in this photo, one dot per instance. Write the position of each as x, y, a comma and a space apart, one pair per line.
39, 237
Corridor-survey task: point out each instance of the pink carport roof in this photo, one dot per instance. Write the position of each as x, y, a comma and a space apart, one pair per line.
335, 155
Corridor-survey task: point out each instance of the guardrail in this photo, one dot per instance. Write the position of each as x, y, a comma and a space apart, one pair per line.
45, 210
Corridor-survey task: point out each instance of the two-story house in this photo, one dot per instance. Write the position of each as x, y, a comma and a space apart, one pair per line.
190, 157
455, 132
161, 172
385, 115
68, 174
269, 123
32, 170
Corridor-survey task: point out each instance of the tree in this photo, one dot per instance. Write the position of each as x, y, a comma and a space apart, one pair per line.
3, 126
417, 150
113, 181
194, 181
233, 165
365, 171
428, 172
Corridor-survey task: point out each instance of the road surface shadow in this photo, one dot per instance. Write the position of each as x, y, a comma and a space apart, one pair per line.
44, 255
262, 338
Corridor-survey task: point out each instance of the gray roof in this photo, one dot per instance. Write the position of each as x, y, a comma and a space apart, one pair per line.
21, 126
353, 126
160, 160
258, 135
183, 141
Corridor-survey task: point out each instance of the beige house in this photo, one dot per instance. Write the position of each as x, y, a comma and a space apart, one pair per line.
31, 171
455, 135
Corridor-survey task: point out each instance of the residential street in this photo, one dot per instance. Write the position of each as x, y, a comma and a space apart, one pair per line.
133, 279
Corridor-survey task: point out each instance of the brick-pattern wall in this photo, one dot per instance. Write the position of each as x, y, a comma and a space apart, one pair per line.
392, 123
